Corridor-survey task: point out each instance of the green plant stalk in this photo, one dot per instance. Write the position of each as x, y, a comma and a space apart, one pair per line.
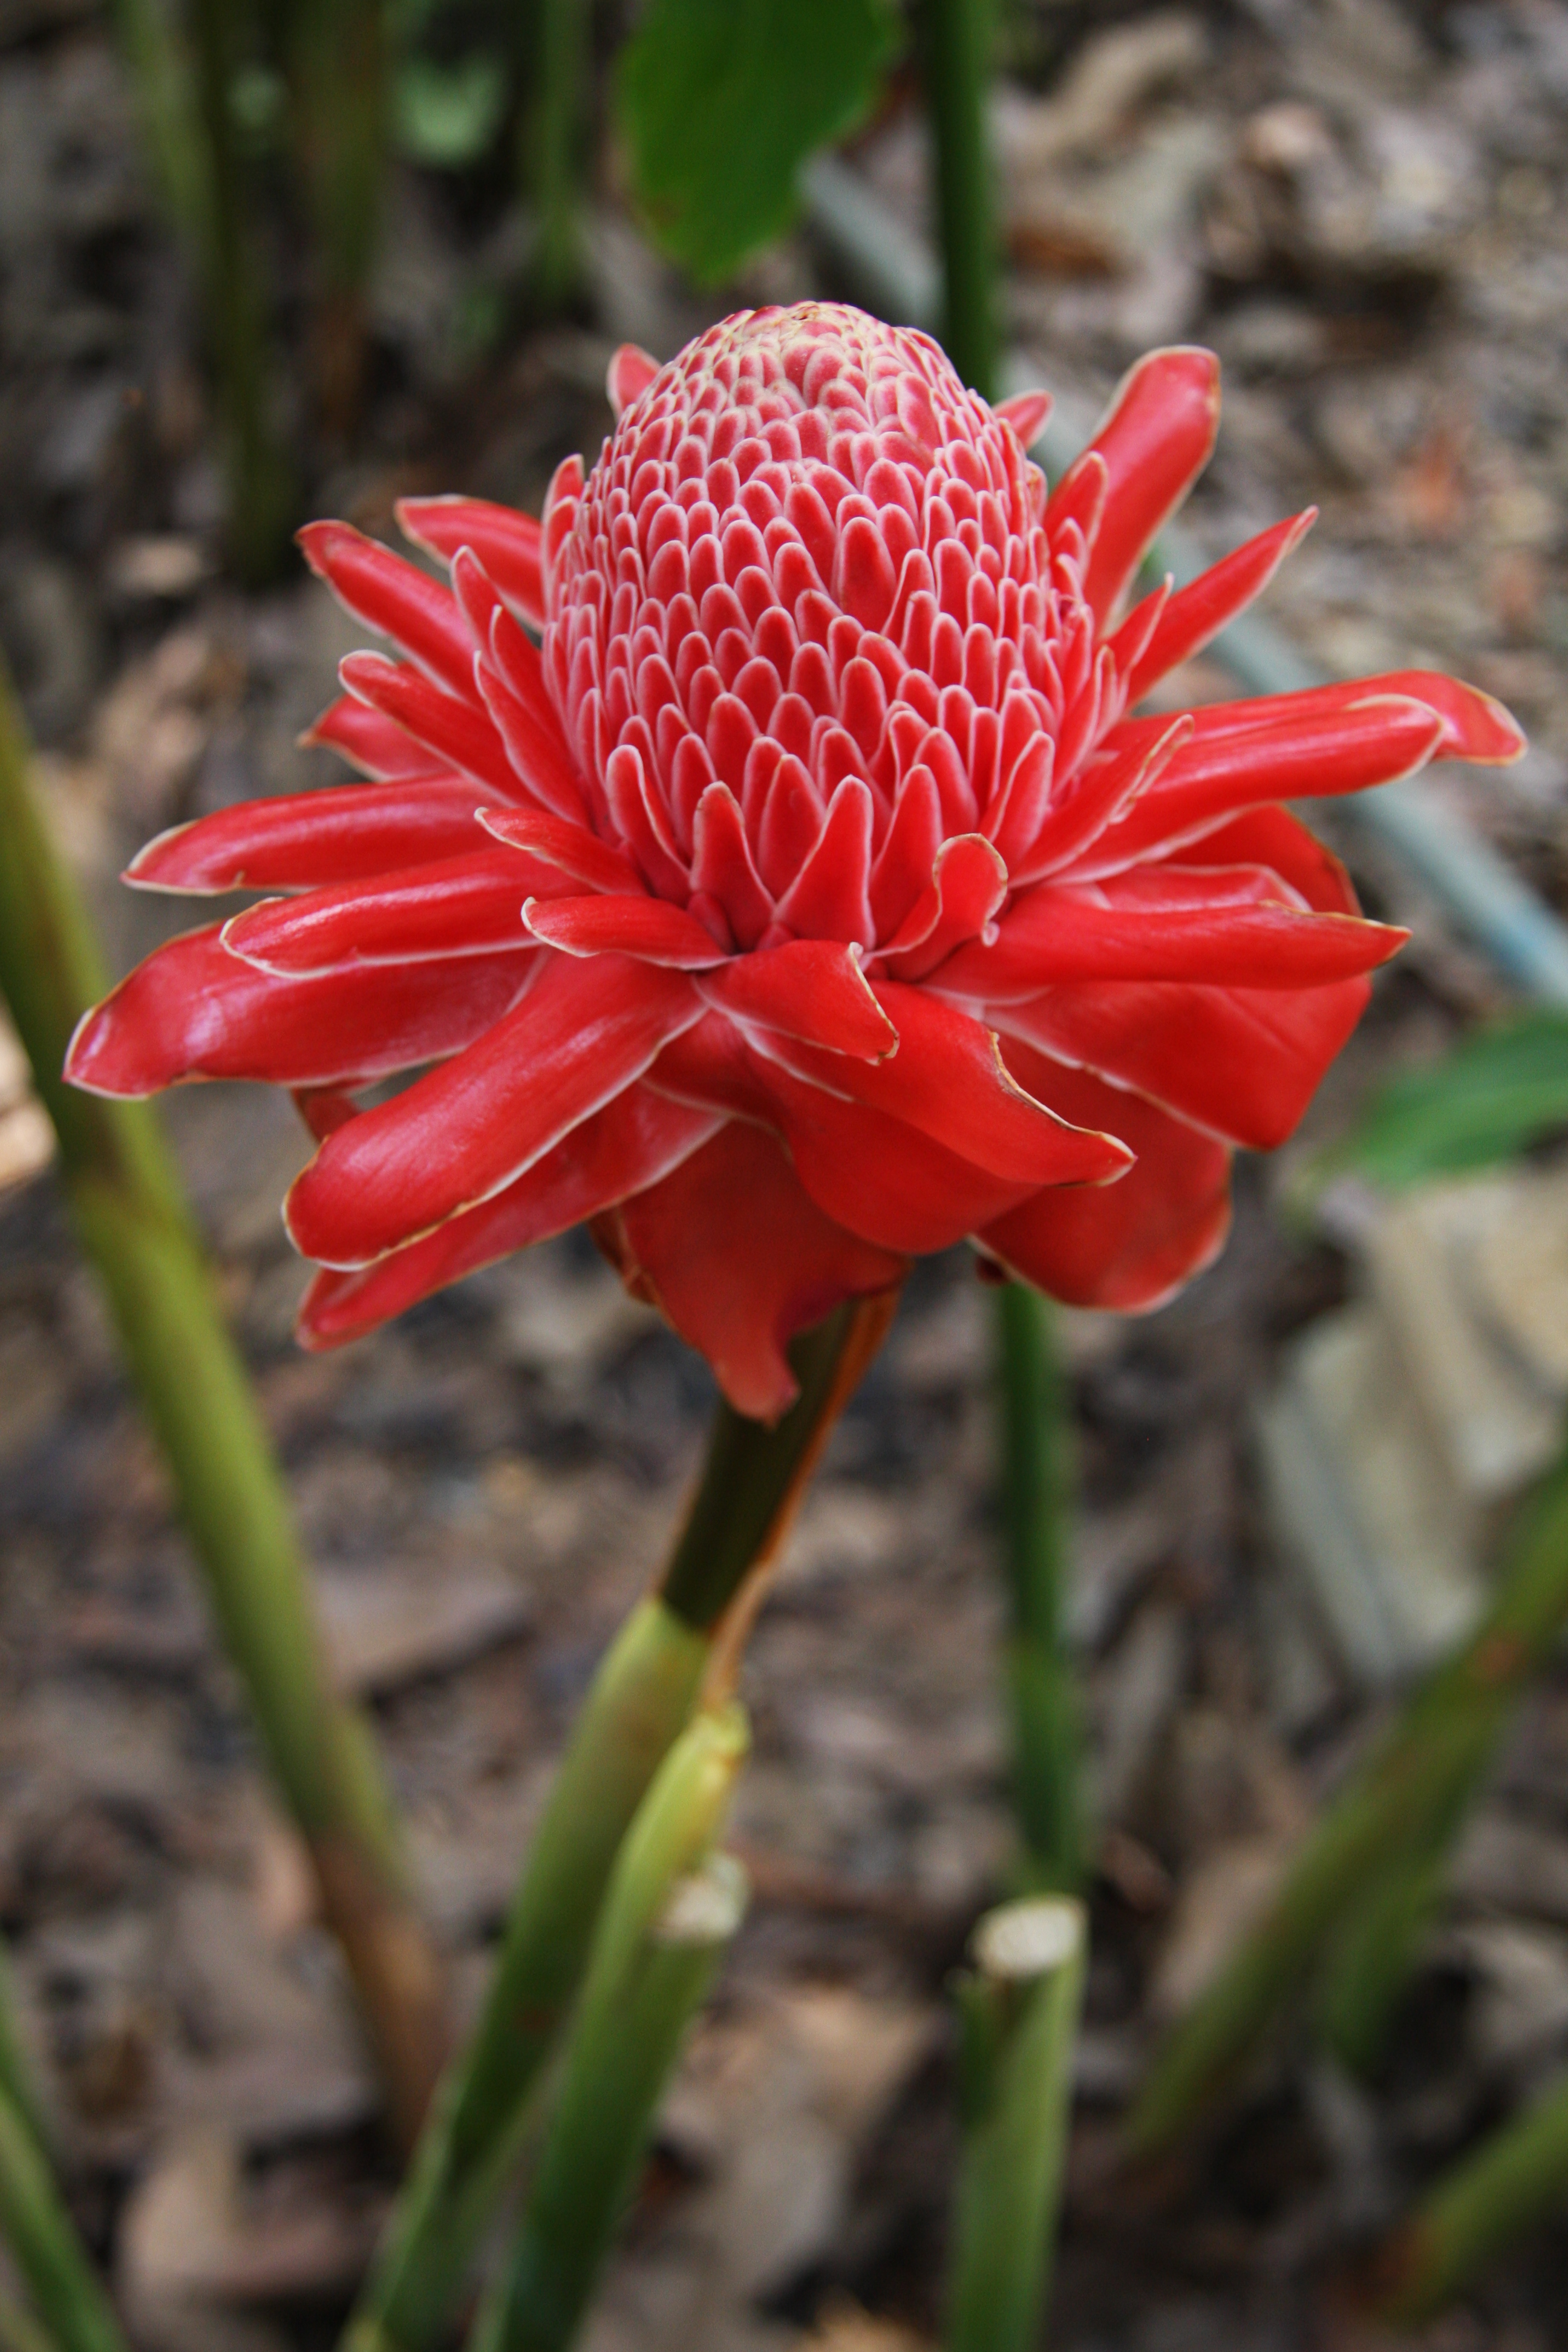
1018, 2011
954, 39
648, 1971
1491, 2197
46, 2247
260, 487
556, 136
160, 69
1035, 1489
642, 1698
15, 2075
337, 75
1420, 1776
126, 1203
1377, 1948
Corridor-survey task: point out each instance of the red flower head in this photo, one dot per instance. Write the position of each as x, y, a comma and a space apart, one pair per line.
808, 900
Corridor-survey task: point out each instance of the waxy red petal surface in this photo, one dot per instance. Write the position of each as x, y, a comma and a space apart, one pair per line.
740, 1259
1126, 1246
194, 1011
633, 1142
460, 1133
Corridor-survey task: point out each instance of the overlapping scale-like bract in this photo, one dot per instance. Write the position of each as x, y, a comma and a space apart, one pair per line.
807, 897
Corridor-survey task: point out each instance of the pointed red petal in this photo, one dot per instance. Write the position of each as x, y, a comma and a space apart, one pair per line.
507, 543
1155, 440
1196, 614
1126, 768
827, 900
722, 864
462, 1132
969, 883
633, 1142
1242, 1062
376, 745
1078, 497
948, 1081
572, 847
630, 373
811, 988
1370, 741
1162, 923
304, 841
875, 1175
460, 906
740, 1259
635, 926
1026, 413
903, 866
1127, 1245
194, 1011
870, 1173
459, 735
396, 597
535, 749
1272, 837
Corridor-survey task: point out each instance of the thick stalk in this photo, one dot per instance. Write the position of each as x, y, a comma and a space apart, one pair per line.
954, 38
45, 2247
1513, 2180
260, 490
1420, 1776
1020, 2011
678, 1640
556, 130
125, 1198
670, 1908
1035, 1487
337, 75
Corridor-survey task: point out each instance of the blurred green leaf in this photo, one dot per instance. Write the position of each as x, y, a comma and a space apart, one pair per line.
722, 100
1498, 1092
446, 115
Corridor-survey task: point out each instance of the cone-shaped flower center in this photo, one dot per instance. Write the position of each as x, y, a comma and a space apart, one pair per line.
806, 627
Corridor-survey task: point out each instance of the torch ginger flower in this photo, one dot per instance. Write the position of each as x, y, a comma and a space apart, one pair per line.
807, 899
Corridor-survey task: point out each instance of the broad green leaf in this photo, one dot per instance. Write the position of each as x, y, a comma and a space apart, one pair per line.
1497, 1093
722, 101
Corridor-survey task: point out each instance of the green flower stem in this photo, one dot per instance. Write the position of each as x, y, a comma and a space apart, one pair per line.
1418, 1779
1035, 1486
1018, 2009
337, 60
954, 37
680, 1638
1513, 2180
45, 2247
557, 123
670, 1908
125, 1198
260, 487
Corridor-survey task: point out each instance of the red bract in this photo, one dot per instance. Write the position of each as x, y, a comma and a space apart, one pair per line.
808, 899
